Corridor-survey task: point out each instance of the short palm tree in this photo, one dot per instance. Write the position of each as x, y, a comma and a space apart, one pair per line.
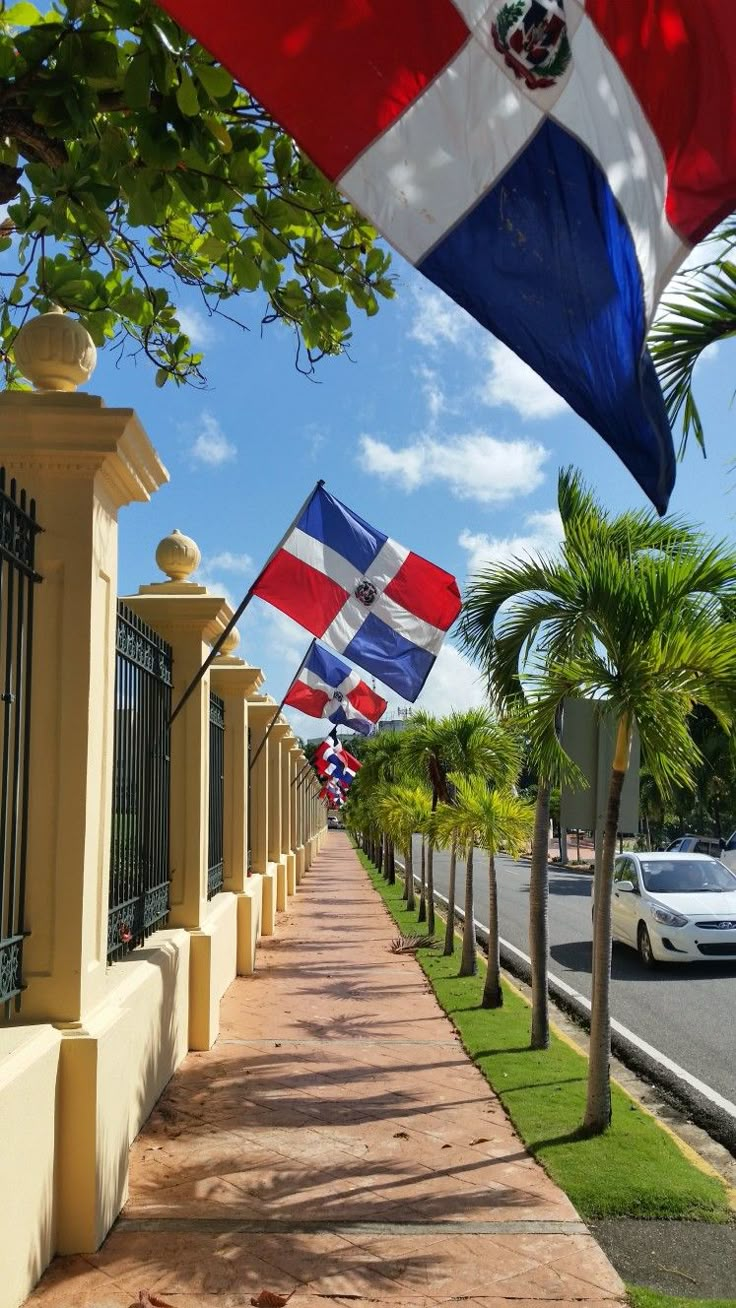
541, 603
401, 810
496, 819
383, 765
657, 647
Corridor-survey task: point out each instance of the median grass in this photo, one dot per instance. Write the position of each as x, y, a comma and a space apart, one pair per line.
634, 1170
651, 1299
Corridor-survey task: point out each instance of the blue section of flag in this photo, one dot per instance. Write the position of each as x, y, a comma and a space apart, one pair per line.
337, 526
394, 660
327, 666
355, 721
546, 261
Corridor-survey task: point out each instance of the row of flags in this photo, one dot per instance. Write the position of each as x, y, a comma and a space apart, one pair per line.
337, 768
549, 164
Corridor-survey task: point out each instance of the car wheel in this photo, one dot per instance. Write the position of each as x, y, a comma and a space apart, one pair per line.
645, 947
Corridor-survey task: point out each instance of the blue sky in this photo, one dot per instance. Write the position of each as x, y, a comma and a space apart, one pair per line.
431, 430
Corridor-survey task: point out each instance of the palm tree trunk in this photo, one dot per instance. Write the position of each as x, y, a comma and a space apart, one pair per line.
492, 992
379, 864
468, 961
409, 887
598, 1103
539, 921
391, 862
422, 914
430, 888
449, 948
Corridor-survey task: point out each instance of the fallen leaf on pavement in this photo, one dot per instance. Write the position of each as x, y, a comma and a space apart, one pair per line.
148, 1300
481, 1140
401, 1135
269, 1299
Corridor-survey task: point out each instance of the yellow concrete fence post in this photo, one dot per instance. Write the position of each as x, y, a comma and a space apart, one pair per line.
190, 619
287, 805
276, 852
234, 680
261, 709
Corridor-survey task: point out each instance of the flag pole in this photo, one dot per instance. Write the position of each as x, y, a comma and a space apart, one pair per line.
240, 610
275, 717
301, 772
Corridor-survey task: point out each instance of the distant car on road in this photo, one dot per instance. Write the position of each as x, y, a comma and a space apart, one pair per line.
674, 907
334, 823
696, 845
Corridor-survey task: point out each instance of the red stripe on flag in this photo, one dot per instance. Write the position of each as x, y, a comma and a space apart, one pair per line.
307, 699
333, 74
302, 592
427, 591
367, 702
680, 58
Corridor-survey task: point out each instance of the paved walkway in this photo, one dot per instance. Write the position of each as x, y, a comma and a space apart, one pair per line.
336, 1144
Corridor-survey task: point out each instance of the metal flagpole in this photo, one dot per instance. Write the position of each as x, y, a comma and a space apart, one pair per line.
301, 772
240, 610
274, 719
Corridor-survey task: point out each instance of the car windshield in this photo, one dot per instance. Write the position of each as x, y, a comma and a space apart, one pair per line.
686, 876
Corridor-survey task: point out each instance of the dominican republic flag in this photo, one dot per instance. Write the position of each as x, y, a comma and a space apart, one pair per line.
547, 163
334, 761
325, 687
374, 601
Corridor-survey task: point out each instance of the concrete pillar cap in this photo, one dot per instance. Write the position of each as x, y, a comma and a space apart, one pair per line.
55, 352
178, 556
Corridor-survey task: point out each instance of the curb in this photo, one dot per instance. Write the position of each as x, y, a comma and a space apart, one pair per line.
704, 1106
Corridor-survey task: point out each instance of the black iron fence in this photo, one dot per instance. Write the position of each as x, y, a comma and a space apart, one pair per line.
18, 531
249, 854
139, 865
215, 867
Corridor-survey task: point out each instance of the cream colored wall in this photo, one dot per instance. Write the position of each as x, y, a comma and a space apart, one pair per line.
29, 1070
213, 965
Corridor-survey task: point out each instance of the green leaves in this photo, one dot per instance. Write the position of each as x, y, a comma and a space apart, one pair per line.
153, 170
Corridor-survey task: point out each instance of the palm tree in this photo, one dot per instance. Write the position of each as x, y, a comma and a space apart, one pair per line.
496, 819
540, 603
383, 765
703, 313
402, 810
657, 647
427, 746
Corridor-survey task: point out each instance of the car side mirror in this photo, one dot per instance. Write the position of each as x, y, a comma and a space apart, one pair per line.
626, 887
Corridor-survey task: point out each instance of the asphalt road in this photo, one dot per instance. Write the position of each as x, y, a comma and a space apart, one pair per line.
686, 1012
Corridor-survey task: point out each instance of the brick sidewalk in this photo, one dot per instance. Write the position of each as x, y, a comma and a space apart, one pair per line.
336, 1143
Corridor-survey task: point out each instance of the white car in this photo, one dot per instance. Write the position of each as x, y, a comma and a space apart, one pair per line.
674, 908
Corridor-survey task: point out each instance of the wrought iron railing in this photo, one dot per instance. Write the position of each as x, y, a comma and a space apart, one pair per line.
249, 854
18, 531
215, 864
139, 863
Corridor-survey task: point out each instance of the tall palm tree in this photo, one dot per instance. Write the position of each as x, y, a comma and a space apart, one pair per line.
657, 647
495, 819
540, 603
426, 748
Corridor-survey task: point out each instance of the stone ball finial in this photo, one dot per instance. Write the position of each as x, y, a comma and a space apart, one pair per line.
178, 556
230, 642
55, 352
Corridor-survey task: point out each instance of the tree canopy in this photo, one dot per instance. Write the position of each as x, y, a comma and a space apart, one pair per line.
134, 170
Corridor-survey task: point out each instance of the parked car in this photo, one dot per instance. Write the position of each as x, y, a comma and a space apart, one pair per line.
728, 853
696, 845
334, 823
674, 907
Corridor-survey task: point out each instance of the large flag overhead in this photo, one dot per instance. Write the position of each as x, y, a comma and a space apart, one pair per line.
325, 687
548, 163
383, 607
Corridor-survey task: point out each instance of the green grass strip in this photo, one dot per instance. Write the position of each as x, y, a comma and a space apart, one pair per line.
634, 1170
651, 1299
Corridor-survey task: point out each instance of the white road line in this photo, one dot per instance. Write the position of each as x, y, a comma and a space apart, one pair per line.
706, 1091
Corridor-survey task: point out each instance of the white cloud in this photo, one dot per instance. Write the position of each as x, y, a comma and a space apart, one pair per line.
229, 562
437, 319
513, 382
198, 326
474, 466
433, 391
542, 537
211, 445
453, 683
